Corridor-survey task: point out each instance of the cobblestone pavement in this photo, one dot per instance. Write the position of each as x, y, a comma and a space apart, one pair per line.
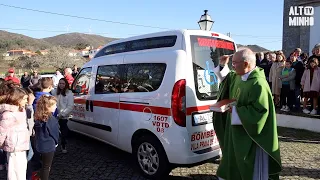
89, 159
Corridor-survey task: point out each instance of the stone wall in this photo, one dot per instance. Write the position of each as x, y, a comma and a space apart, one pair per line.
294, 37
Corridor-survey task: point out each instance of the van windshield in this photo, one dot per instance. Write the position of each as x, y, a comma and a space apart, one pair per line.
205, 57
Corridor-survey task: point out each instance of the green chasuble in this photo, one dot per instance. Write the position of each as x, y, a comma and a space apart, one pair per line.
256, 111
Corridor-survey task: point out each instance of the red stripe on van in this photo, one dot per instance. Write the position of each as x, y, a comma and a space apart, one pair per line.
104, 104
146, 109
79, 101
141, 108
190, 110
128, 107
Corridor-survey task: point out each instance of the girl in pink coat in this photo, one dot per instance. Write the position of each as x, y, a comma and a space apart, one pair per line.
310, 83
14, 134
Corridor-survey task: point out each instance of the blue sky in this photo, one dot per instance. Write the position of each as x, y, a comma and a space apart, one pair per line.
248, 21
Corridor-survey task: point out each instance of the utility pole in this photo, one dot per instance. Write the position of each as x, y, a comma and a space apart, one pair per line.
229, 34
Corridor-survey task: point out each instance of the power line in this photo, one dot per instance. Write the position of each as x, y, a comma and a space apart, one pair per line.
81, 17
250, 36
257, 36
269, 42
56, 31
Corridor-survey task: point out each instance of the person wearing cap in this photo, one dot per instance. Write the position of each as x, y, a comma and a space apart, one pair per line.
12, 77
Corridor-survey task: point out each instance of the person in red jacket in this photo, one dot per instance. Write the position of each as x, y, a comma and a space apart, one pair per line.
12, 77
68, 76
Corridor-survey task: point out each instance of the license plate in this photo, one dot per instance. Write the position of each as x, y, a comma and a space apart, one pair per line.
203, 118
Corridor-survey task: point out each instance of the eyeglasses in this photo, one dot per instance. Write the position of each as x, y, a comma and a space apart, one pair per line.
236, 62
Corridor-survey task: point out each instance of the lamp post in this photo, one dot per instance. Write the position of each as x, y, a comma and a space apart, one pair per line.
205, 21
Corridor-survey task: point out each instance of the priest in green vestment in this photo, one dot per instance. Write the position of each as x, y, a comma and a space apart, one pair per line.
247, 133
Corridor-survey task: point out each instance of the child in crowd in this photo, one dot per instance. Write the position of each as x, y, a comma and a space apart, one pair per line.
47, 132
45, 86
3, 158
14, 136
311, 85
287, 85
30, 123
65, 105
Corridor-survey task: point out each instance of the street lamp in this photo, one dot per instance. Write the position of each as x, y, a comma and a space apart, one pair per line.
205, 22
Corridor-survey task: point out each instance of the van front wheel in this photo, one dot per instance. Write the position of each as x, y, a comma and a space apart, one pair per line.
150, 158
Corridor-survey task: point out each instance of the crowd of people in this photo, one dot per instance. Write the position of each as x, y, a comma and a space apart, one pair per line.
295, 80
33, 117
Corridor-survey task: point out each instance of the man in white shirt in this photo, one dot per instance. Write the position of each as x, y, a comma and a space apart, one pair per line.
56, 78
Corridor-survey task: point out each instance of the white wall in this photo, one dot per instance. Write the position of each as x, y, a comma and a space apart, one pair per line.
315, 30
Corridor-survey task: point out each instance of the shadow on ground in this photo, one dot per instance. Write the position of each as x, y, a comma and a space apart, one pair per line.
301, 172
194, 176
298, 135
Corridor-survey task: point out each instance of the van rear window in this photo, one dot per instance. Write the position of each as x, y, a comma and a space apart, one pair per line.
139, 44
205, 57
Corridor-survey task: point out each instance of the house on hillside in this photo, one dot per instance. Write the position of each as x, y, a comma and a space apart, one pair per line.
21, 52
304, 37
92, 52
74, 53
85, 52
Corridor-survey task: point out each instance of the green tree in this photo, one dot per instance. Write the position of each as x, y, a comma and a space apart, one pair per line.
30, 63
38, 52
57, 58
81, 46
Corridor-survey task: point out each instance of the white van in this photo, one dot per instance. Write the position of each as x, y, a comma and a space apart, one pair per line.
149, 95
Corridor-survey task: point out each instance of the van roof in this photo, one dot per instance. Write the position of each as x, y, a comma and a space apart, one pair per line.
170, 32
157, 34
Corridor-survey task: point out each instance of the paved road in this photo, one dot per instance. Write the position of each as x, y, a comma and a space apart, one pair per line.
89, 159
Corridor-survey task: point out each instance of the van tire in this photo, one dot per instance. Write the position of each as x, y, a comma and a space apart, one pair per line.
164, 166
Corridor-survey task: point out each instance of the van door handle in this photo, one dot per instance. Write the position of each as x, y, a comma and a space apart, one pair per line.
87, 105
91, 106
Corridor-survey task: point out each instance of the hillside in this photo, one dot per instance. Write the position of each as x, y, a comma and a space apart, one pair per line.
15, 41
254, 48
71, 39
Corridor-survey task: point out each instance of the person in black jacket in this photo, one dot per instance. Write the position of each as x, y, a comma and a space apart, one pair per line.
299, 68
265, 64
25, 80
259, 58
47, 132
